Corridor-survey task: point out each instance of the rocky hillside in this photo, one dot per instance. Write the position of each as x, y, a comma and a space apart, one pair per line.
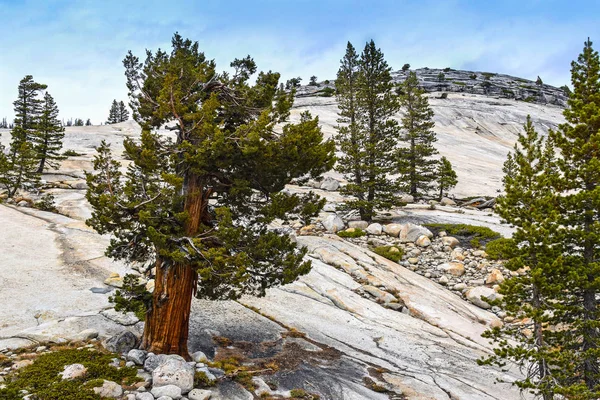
476, 126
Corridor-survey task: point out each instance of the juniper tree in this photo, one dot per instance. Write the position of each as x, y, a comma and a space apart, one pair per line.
198, 207
367, 97
414, 161
113, 114
47, 141
578, 141
123, 114
445, 177
529, 204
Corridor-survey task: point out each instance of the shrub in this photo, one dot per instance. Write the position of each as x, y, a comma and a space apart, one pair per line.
71, 153
473, 76
459, 83
500, 249
355, 233
447, 69
444, 96
326, 92
387, 252
46, 203
477, 235
202, 381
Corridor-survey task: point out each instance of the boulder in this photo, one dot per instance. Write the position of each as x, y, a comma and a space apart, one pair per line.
479, 294
375, 229
137, 356
114, 280
411, 232
358, 224
199, 357
423, 241
406, 198
174, 370
73, 371
392, 229
109, 389
171, 391
125, 319
121, 342
450, 241
333, 223
144, 396
330, 184
447, 202
494, 277
452, 268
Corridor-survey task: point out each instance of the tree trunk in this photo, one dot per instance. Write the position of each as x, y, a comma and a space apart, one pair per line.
167, 321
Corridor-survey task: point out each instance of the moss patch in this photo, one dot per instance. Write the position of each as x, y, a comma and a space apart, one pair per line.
477, 236
389, 252
42, 377
352, 233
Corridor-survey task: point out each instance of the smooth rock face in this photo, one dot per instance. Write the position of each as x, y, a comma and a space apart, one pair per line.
333, 223
171, 391
174, 370
73, 371
109, 389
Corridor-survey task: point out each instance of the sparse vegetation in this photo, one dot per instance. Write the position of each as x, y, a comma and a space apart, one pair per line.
46, 203
477, 235
392, 253
71, 153
352, 233
326, 92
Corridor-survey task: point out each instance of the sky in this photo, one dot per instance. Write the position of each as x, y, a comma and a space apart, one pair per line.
77, 47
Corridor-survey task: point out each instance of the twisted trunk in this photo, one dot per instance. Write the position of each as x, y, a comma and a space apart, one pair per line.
167, 321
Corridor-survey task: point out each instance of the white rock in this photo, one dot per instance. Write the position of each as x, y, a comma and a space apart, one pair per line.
406, 198
423, 241
375, 229
144, 396
479, 294
330, 184
171, 391
452, 268
333, 223
174, 370
199, 394
137, 356
109, 389
392, 229
87, 334
73, 371
447, 202
358, 224
199, 357
411, 232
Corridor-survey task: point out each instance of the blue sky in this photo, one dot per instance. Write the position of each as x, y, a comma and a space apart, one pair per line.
76, 47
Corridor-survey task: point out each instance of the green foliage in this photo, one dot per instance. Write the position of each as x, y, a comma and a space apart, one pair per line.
445, 176
356, 233
500, 249
113, 114
49, 135
473, 76
488, 75
443, 96
326, 92
414, 161
202, 381
313, 81
42, 379
530, 205
447, 69
405, 67
478, 235
441, 77
46, 203
71, 153
529, 99
566, 90
133, 297
303, 394
387, 252
366, 138
204, 201
459, 83
539, 81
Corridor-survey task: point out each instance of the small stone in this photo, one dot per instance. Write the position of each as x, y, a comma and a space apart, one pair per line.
496, 323
114, 280
413, 260
199, 394
333, 223
444, 280
174, 370
494, 277
40, 349
450, 241
330, 184
137, 356
423, 241
447, 202
121, 343
144, 396
453, 268
392, 229
199, 357
478, 295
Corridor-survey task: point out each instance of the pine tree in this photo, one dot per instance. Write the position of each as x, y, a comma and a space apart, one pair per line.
123, 114
313, 81
405, 67
27, 111
578, 141
88, 122
534, 297
78, 122
367, 104
445, 176
198, 208
113, 114
415, 165
47, 141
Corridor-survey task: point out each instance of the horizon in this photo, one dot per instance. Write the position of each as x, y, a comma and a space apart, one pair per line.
77, 48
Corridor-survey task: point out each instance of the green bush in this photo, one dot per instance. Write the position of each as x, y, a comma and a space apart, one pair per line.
387, 252
444, 95
477, 235
459, 83
42, 377
46, 203
500, 249
352, 234
71, 153
326, 92
473, 76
